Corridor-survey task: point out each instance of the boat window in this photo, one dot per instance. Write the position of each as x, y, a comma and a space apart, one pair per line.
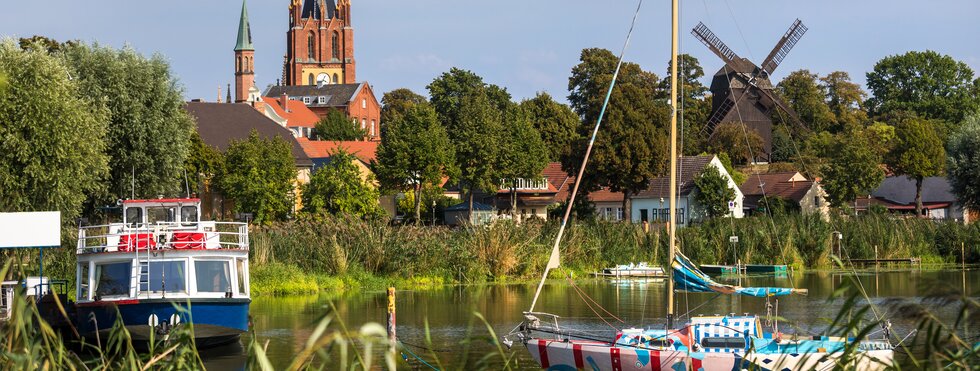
160, 215
188, 215
723, 342
83, 280
134, 215
242, 284
212, 276
167, 276
112, 279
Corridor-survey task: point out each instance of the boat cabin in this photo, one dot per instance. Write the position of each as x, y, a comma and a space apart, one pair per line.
710, 334
162, 249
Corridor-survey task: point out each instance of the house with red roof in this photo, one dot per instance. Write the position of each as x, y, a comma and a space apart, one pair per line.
808, 195
534, 197
652, 204
291, 114
365, 152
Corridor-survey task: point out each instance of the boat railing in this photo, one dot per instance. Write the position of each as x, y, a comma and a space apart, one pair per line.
135, 237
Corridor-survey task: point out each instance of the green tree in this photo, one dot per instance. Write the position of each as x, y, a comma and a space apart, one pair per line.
523, 154
932, 85
743, 145
854, 170
52, 137
259, 177
714, 192
476, 143
338, 188
631, 147
845, 100
918, 153
414, 153
204, 164
783, 146
447, 92
396, 103
556, 123
806, 97
472, 113
337, 126
694, 106
149, 131
963, 163
880, 137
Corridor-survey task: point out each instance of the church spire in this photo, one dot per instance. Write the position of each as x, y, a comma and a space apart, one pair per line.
244, 31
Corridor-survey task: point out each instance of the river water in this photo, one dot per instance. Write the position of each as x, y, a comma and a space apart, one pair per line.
286, 323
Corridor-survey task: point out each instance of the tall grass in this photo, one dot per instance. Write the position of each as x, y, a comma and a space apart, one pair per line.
340, 246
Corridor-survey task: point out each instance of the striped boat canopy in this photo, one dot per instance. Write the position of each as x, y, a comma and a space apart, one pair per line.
687, 277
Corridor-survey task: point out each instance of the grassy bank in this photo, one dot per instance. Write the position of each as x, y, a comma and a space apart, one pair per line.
341, 253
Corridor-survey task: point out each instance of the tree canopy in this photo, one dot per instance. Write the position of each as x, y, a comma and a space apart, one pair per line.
523, 154
853, 170
963, 163
397, 102
555, 122
714, 192
806, 96
338, 188
149, 131
448, 91
743, 145
932, 85
337, 126
631, 147
918, 153
695, 108
414, 153
52, 137
259, 177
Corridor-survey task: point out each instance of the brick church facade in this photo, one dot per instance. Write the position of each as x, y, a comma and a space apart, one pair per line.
319, 68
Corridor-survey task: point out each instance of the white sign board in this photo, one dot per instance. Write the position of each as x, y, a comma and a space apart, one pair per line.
26, 230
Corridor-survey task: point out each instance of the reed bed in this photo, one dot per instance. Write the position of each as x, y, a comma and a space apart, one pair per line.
339, 246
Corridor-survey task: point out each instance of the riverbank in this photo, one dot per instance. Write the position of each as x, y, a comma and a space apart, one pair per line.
342, 253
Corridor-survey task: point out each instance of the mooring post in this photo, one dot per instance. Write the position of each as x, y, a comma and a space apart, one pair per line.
392, 338
963, 255
876, 256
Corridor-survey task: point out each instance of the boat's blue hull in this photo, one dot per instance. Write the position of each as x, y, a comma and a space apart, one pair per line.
216, 320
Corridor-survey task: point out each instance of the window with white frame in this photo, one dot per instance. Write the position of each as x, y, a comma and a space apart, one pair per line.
372, 128
321, 100
363, 124
306, 100
619, 213
364, 103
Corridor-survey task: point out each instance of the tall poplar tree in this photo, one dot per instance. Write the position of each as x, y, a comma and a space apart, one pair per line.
918, 154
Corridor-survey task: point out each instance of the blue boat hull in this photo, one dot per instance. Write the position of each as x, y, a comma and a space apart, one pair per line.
216, 321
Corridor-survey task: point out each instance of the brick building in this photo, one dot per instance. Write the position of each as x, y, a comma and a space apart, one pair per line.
318, 68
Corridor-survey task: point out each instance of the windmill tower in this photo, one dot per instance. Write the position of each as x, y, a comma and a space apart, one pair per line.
742, 91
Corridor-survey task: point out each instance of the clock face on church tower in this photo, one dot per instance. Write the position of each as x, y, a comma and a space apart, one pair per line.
322, 79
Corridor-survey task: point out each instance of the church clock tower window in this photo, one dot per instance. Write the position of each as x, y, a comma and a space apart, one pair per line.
336, 45
310, 45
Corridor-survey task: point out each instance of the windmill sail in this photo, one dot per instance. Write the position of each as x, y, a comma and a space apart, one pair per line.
687, 277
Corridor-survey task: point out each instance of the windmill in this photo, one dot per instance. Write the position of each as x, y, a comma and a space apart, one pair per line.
741, 89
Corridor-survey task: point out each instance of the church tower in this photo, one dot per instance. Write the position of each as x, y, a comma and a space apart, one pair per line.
244, 59
319, 43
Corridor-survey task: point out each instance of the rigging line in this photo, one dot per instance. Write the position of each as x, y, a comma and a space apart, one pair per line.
596, 313
553, 261
585, 296
417, 357
739, 28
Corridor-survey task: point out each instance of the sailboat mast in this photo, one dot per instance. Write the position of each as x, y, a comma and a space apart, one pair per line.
672, 224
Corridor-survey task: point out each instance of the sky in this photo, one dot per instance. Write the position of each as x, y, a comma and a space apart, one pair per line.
526, 46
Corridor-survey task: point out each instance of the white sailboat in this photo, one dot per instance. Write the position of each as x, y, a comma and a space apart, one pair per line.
702, 343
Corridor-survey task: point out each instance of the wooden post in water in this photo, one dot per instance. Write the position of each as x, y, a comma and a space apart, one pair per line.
392, 338
876, 257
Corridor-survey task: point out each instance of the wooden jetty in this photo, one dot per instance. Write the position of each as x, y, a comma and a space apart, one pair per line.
910, 261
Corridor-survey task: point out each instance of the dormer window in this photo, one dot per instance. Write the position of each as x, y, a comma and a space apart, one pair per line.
321, 100
306, 100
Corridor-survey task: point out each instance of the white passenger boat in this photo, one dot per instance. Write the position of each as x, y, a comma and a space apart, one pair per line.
161, 267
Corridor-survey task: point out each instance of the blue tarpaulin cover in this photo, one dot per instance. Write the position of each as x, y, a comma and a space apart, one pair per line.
687, 277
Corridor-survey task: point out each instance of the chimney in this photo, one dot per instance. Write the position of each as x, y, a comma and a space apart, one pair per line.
284, 101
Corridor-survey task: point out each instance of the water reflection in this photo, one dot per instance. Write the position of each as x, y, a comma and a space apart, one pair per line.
287, 322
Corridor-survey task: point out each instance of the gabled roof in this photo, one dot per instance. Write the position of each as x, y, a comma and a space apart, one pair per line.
688, 168
563, 183
364, 151
793, 191
901, 190
244, 31
337, 95
751, 185
296, 114
221, 123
